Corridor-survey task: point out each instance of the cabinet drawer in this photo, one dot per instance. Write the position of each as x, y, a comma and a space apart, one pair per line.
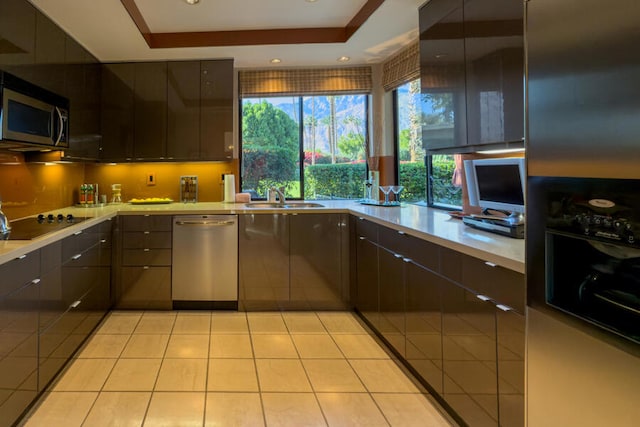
367, 229
78, 243
425, 254
501, 284
50, 257
141, 257
146, 240
19, 272
146, 223
393, 240
145, 287
451, 264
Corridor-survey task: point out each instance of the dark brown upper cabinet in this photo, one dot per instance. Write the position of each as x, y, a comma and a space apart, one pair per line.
183, 110
150, 111
117, 112
216, 110
494, 56
83, 88
442, 74
472, 74
17, 35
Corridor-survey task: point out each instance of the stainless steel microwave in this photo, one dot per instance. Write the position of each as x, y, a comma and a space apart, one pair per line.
32, 118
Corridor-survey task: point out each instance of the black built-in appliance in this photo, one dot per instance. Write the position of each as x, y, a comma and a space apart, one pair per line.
588, 262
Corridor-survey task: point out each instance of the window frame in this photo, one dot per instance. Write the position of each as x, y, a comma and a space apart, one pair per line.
366, 104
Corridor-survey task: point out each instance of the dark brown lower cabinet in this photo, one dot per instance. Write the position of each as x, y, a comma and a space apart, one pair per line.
293, 261
317, 262
18, 351
469, 356
263, 261
453, 319
511, 342
392, 299
424, 324
143, 270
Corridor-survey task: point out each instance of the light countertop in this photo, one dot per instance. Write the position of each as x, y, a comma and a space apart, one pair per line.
426, 223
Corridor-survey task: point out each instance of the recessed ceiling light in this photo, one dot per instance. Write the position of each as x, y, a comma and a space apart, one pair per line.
344, 59
276, 61
192, 1
311, 1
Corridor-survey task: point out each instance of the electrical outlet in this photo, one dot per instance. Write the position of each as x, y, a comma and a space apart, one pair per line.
151, 179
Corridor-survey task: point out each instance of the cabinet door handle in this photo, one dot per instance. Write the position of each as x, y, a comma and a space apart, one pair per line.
146, 232
103, 241
362, 238
75, 304
483, 297
22, 257
77, 233
406, 259
397, 256
35, 281
504, 307
145, 250
490, 264
75, 257
402, 233
146, 267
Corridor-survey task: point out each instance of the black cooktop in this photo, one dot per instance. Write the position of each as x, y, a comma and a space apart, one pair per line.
30, 228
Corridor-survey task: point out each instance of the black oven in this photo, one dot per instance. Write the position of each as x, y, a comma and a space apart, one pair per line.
584, 252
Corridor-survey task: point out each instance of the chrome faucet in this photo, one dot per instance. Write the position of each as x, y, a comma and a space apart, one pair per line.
280, 192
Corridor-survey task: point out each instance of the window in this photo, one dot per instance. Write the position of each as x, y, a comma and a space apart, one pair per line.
410, 152
313, 146
430, 115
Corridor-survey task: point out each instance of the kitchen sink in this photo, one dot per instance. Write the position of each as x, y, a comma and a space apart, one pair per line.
288, 205
296, 205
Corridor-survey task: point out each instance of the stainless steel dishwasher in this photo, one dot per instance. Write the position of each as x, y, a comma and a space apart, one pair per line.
205, 262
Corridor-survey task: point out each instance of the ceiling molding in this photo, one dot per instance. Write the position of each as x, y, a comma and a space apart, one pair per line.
250, 37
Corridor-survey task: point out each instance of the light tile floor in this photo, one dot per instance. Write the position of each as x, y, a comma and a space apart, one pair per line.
233, 369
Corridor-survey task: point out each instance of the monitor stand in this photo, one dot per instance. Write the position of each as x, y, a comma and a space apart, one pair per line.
511, 225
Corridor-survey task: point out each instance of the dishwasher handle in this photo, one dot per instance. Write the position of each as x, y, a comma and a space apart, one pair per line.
213, 223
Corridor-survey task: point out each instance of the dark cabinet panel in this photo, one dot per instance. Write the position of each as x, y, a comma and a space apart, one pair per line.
117, 111
50, 55
511, 368
367, 300
146, 240
316, 266
145, 288
391, 322
494, 51
424, 324
143, 273
216, 114
19, 272
183, 110
146, 257
18, 351
472, 73
469, 356
150, 110
17, 36
442, 74
82, 87
146, 223
263, 249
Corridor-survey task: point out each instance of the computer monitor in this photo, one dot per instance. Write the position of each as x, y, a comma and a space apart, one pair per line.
496, 183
